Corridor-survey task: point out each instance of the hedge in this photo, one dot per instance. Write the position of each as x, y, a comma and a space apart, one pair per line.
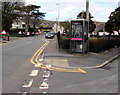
103, 43
95, 44
64, 42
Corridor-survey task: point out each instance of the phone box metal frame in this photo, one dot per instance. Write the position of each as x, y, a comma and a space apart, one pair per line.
79, 42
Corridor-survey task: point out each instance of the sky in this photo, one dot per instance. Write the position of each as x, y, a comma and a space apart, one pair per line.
69, 9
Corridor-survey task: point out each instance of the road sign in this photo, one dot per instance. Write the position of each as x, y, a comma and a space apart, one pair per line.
28, 33
20, 32
3, 32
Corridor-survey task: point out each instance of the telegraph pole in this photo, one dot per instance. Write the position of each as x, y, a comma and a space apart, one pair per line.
87, 18
87, 10
58, 17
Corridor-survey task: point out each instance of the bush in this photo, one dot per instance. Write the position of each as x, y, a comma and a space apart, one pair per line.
14, 32
65, 42
95, 44
103, 43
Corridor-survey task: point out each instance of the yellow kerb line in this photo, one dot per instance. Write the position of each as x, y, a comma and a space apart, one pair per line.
36, 54
51, 68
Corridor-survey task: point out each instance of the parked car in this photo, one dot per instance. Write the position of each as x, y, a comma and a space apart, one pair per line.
50, 35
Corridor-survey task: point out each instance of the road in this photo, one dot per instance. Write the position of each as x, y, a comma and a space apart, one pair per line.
102, 80
16, 64
17, 67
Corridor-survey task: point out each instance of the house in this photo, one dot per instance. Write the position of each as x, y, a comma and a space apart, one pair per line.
18, 24
57, 28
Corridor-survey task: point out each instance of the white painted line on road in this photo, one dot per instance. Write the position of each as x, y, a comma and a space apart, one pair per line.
40, 60
43, 55
45, 80
36, 65
29, 84
44, 85
25, 92
46, 75
44, 92
34, 73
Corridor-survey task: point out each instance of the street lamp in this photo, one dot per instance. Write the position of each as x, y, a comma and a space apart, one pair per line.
87, 10
58, 10
87, 17
58, 16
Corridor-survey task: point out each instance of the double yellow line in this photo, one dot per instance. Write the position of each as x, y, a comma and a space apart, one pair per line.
34, 60
36, 55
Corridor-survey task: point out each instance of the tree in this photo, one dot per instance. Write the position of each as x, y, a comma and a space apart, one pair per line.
113, 24
66, 26
92, 25
31, 12
9, 13
37, 15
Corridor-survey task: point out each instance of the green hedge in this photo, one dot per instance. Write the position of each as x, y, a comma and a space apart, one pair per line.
103, 43
95, 44
14, 32
65, 42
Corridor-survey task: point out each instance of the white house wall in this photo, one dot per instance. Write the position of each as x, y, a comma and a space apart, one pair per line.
57, 28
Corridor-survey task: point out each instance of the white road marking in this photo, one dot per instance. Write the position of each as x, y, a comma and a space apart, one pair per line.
45, 80
44, 85
43, 55
36, 65
44, 92
46, 75
29, 84
40, 60
34, 73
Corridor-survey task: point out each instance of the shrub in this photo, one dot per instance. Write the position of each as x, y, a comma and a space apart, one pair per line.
14, 32
103, 43
95, 44
65, 42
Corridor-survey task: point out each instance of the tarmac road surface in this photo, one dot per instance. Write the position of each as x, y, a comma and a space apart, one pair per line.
16, 64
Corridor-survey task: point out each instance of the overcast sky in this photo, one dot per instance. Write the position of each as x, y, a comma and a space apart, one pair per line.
69, 9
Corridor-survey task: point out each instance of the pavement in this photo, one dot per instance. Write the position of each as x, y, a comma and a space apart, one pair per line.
59, 58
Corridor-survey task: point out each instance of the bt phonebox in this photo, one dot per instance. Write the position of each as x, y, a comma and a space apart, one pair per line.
79, 36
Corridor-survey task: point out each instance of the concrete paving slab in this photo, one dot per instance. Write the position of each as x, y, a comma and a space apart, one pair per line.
57, 62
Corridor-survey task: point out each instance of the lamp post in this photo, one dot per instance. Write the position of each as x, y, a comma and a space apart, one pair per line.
87, 10
58, 17
87, 17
